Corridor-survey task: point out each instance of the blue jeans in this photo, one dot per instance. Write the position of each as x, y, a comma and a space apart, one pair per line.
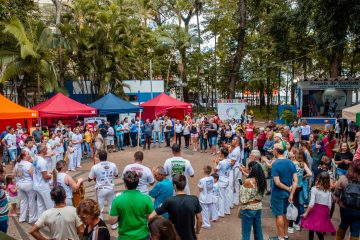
133, 138
88, 149
4, 226
157, 135
12, 154
203, 143
5, 155
340, 172
350, 218
120, 141
249, 219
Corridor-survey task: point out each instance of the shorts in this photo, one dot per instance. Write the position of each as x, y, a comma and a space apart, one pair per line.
110, 142
213, 140
279, 205
12, 154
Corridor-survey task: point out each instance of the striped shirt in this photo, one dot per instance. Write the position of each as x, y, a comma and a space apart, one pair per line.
4, 207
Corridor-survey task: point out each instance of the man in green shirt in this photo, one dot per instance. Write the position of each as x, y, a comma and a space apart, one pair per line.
130, 209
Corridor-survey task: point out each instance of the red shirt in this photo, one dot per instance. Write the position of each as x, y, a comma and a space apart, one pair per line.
250, 131
329, 147
261, 140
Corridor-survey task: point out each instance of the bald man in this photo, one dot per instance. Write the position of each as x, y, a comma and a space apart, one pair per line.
282, 191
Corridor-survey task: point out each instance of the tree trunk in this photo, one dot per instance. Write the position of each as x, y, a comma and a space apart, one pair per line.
268, 90
234, 74
335, 61
57, 4
292, 84
262, 95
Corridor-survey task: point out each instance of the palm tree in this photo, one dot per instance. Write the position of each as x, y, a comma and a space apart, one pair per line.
32, 62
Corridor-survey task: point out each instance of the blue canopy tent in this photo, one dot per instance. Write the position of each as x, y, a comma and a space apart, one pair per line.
111, 104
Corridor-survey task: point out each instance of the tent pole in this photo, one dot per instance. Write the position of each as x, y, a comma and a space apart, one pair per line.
138, 135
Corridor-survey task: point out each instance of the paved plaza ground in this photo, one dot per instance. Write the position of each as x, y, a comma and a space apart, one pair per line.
228, 228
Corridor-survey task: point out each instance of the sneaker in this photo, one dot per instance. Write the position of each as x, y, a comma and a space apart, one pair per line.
297, 227
290, 230
286, 238
114, 226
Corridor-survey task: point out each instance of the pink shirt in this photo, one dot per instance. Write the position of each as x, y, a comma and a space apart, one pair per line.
11, 189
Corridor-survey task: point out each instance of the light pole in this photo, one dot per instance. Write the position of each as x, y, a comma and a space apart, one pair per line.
151, 87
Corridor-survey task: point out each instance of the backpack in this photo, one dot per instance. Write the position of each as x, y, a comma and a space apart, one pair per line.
351, 195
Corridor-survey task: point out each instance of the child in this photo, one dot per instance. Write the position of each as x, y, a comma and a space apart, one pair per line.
215, 205
206, 188
317, 217
71, 154
228, 134
222, 168
12, 194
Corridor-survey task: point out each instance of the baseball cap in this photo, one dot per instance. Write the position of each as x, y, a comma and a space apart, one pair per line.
278, 135
18, 124
37, 125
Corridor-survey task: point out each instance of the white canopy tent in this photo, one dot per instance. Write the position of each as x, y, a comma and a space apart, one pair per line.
350, 112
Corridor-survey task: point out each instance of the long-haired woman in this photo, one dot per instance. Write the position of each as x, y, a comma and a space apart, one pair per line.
251, 194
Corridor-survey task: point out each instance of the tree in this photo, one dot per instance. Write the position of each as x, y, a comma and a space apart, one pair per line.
31, 61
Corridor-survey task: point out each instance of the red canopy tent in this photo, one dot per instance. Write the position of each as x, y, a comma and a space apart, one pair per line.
62, 106
165, 105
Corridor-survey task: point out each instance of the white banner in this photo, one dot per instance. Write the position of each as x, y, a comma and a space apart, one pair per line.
230, 110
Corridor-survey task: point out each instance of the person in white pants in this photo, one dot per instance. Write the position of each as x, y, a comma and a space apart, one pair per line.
41, 178
206, 188
235, 175
215, 203
61, 178
104, 173
59, 146
76, 140
24, 181
70, 154
222, 167
53, 146
144, 173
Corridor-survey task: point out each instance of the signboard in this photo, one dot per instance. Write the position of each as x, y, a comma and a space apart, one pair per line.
91, 121
128, 115
231, 108
343, 84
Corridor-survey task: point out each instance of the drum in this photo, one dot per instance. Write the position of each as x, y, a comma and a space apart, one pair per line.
78, 195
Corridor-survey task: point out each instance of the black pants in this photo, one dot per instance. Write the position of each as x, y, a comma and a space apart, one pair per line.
319, 234
187, 140
296, 199
133, 139
167, 138
147, 140
126, 139
178, 138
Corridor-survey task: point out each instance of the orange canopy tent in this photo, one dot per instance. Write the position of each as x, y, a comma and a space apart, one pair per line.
11, 110
12, 113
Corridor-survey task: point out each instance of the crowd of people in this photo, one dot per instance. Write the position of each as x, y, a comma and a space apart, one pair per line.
308, 169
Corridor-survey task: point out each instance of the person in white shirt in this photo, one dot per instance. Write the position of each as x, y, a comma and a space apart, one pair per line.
41, 178
179, 165
179, 132
235, 174
53, 146
104, 173
216, 194
144, 173
222, 167
76, 140
62, 220
29, 144
233, 126
10, 142
24, 182
61, 178
157, 130
59, 146
110, 142
206, 188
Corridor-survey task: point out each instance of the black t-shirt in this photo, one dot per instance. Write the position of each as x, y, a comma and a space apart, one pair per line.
339, 156
213, 127
99, 232
182, 210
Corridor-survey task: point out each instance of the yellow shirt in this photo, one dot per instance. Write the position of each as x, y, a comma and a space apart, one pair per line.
87, 137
